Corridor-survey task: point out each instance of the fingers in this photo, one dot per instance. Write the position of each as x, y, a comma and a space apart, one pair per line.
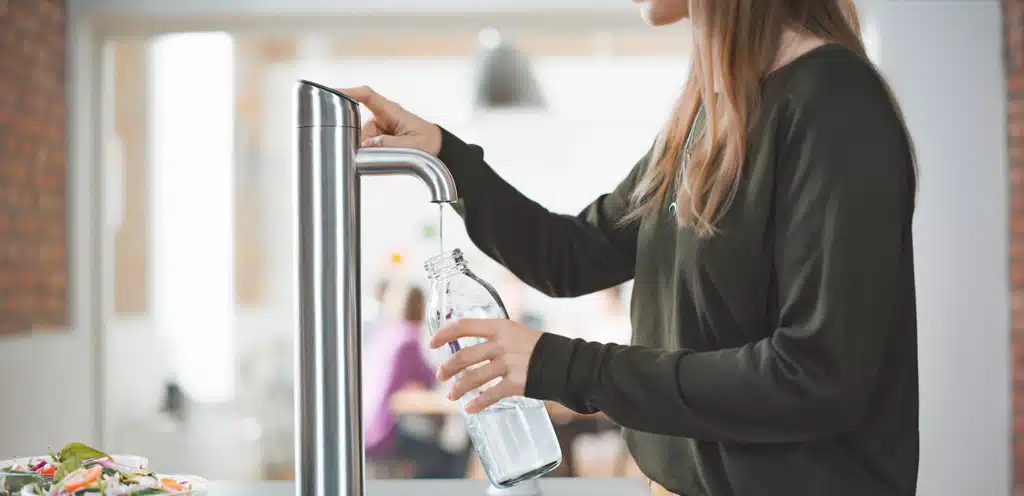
380, 106
467, 357
478, 377
374, 135
491, 396
385, 112
464, 328
369, 130
389, 141
361, 94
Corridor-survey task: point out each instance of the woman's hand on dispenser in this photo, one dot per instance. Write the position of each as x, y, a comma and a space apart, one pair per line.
505, 355
393, 126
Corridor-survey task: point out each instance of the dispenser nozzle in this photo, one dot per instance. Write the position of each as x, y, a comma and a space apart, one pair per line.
410, 162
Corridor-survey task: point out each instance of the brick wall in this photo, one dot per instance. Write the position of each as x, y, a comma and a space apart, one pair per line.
33, 125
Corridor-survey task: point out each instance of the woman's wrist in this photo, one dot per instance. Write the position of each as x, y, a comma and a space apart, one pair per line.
434, 140
448, 145
547, 373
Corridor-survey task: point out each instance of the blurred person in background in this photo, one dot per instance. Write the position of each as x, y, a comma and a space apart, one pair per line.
768, 234
394, 361
373, 310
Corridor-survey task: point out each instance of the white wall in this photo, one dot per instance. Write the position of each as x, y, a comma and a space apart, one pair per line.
45, 392
137, 375
944, 60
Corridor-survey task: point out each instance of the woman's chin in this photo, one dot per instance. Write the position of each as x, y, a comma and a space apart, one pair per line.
653, 17
663, 12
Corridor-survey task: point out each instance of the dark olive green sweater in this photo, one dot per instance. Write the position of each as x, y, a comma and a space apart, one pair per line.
778, 357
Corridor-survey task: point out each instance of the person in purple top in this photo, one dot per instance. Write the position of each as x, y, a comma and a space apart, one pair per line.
394, 361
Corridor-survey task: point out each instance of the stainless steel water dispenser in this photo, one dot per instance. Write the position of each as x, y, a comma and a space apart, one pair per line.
329, 423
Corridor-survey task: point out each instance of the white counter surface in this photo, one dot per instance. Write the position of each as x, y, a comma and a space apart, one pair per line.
548, 486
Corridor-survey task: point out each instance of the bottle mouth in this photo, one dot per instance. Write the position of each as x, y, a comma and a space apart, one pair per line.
445, 264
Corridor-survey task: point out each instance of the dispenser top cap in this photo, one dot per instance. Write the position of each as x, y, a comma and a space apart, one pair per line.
329, 90
320, 106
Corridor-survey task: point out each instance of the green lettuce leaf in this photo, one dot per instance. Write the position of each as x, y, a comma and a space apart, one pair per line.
72, 456
16, 480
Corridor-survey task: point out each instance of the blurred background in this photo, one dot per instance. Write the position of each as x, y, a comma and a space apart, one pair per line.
147, 276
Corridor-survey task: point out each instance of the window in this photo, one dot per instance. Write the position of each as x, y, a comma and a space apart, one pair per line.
192, 208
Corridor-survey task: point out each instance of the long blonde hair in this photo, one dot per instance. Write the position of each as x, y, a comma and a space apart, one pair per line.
736, 43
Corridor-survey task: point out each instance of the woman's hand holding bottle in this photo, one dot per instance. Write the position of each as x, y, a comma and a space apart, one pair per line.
507, 352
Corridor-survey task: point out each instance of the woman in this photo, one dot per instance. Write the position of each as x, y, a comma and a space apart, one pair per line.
768, 233
396, 363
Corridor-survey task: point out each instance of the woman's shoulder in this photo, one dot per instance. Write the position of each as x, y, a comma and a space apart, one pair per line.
827, 73
832, 87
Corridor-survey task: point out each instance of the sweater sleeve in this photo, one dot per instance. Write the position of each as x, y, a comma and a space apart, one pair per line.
844, 201
559, 255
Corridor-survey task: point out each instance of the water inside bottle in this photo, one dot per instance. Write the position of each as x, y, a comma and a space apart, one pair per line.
509, 438
513, 438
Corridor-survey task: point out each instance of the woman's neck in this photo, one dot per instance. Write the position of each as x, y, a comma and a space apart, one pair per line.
792, 46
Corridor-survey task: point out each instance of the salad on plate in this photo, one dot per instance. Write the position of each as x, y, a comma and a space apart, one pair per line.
78, 470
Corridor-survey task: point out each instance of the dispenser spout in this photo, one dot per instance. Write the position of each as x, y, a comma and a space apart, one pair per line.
404, 161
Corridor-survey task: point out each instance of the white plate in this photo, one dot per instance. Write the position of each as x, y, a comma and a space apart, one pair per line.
200, 486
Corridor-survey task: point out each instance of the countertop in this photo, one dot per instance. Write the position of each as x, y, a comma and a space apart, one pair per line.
548, 486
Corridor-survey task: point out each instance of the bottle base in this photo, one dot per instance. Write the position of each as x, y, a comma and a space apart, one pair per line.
533, 474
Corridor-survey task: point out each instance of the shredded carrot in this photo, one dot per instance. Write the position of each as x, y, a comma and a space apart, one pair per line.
88, 477
172, 484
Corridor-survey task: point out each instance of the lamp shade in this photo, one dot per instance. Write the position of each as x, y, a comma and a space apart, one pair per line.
505, 78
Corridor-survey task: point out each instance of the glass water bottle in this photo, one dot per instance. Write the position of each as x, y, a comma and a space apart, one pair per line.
514, 437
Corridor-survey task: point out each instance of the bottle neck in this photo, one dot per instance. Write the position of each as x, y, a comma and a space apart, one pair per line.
446, 266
